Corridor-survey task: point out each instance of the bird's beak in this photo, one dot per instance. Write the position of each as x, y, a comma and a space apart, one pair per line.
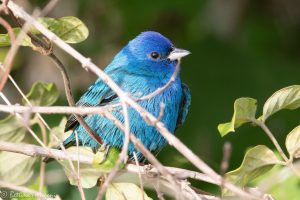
177, 54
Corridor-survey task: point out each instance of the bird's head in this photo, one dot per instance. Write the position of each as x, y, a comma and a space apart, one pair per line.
152, 53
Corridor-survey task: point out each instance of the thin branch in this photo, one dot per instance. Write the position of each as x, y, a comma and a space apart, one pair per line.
34, 135
148, 155
80, 188
49, 7
122, 155
43, 164
225, 161
24, 121
161, 89
42, 120
140, 175
70, 99
8, 59
45, 48
55, 109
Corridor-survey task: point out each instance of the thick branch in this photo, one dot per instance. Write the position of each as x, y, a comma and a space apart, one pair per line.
33, 150
54, 109
146, 171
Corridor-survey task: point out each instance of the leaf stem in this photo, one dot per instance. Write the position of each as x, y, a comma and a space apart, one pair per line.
264, 127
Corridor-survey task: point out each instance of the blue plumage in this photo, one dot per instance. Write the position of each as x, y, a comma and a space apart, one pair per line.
142, 66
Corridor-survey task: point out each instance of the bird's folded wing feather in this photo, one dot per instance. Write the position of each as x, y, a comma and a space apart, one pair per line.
184, 105
97, 94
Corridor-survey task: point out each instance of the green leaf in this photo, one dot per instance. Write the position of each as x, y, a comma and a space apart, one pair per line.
16, 168
108, 162
257, 161
42, 94
244, 111
286, 98
292, 142
59, 131
70, 29
88, 175
5, 39
125, 191
12, 129
280, 180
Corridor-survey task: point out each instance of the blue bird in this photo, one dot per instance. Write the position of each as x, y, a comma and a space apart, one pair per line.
146, 63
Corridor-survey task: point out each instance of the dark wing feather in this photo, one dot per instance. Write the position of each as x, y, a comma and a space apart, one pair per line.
97, 94
72, 121
184, 105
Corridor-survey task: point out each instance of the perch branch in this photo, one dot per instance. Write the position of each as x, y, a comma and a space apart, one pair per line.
55, 109
34, 151
145, 171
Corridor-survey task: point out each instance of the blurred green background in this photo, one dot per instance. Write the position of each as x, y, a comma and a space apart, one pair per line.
240, 48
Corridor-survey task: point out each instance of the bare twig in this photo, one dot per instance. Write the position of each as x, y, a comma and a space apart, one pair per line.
225, 161
70, 99
43, 164
161, 89
41, 143
122, 155
55, 109
49, 7
8, 59
23, 121
80, 188
41, 119
45, 48
79, 118
140, 175
150, 157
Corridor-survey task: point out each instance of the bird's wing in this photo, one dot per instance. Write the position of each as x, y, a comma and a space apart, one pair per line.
97, 94
184, 105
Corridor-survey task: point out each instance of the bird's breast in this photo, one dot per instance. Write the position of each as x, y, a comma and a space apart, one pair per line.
170, 98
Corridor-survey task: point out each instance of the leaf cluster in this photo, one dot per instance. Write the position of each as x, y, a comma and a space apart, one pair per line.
260, 159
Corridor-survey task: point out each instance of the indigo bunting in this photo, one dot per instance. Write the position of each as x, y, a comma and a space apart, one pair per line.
146, 63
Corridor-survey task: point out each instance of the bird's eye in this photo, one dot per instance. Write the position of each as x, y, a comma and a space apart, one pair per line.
154, 55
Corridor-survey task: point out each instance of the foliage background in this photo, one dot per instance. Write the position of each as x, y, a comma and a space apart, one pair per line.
239, 48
